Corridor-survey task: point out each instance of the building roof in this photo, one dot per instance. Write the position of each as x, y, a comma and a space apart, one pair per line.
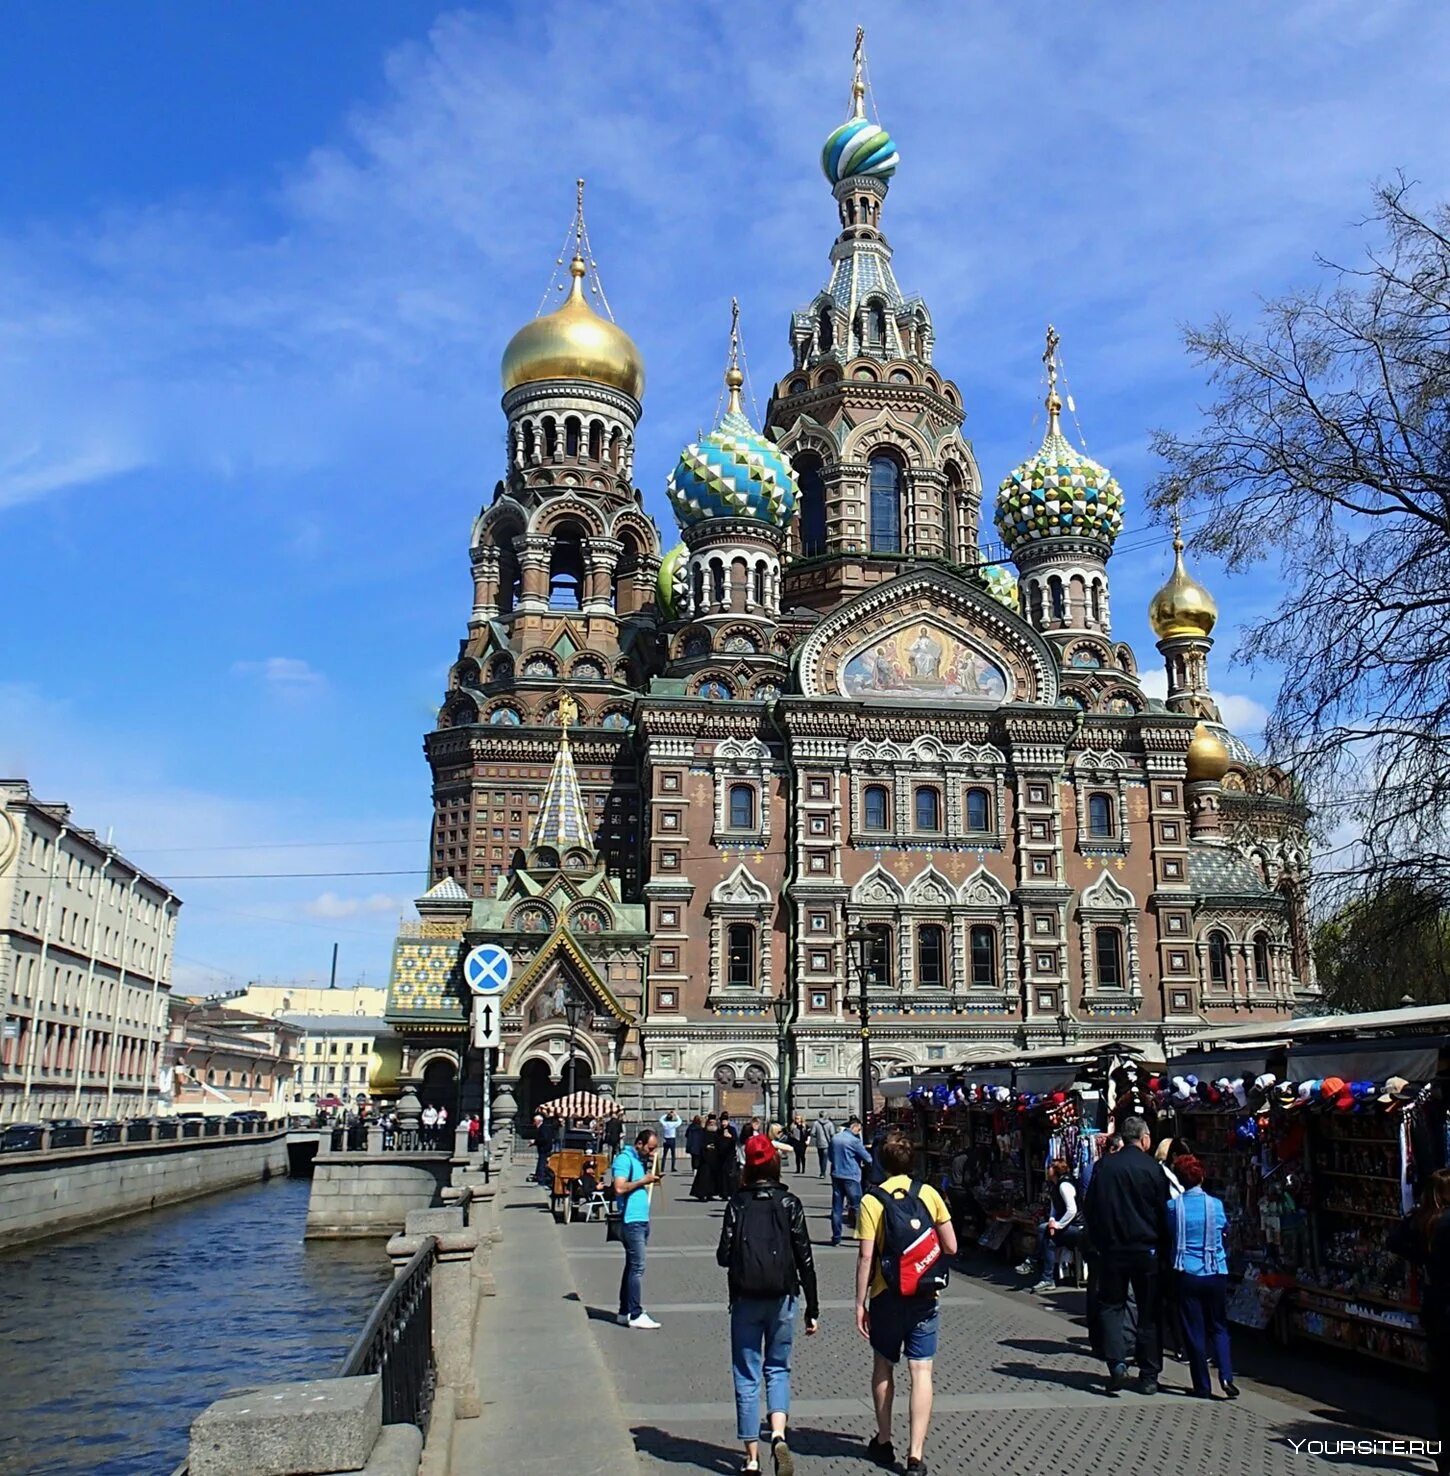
339, 1024
1217, 871
563, 822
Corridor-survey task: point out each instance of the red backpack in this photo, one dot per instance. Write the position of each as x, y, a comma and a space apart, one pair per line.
911, 1254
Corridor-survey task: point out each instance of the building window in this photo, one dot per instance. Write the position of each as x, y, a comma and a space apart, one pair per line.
878, 956
885, 505
928, 809
874, 806
1100, 816
1261, 958
740, 956
812, 484
1108, 947
742, 807
930, 956
979, 810
983, 943
1218, 959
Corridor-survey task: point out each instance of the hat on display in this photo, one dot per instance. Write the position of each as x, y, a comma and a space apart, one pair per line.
1246, 1130
1286, 1094
1396, 1085
759, 1151
1240, 1091
1331, 1087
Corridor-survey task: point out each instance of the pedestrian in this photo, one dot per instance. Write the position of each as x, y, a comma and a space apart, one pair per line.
848, 1158
895, 1311
822, 1131
1112, 1144
1169, 1321
1200, 1275
727, 1166
614, 1132
1423, 1239
706, 1183
430, 1124
797, 1135
1061, 1230
633, 1176
694, 1138
543, 1146
475, 1128
765, 1248
440, 1130
669, 1129
1127, 1219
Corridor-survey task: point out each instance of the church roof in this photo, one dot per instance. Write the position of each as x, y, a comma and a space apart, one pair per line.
1215, 871
563, 822
447, 890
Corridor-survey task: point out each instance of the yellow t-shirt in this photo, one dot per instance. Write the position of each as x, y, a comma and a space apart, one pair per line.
868, 1219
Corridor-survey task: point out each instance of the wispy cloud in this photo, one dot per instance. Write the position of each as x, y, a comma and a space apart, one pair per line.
331, 905
287, 675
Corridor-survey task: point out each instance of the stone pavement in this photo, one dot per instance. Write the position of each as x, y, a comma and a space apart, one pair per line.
1016, 1389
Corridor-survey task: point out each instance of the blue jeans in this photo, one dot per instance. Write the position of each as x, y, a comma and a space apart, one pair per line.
631, 1283
1049, 1247
843, 1192
1203, 1311
758, 1324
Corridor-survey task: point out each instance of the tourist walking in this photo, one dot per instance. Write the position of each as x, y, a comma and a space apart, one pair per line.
727, 1164
633, 1176
707, 1180
544, 1146
613, 1134
848, 1158
822, 1131
798, 1135
669, 1129
1127, 1219
765, 1248
905, 1236
1200, 1276
694, 1137
1112, 1144
1423, 1239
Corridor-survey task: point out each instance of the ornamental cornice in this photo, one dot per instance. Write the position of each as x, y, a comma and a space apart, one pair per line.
858, 394
479, 744
698, 717
543, 393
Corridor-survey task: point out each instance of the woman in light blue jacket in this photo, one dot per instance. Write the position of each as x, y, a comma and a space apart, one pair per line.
1200, 1263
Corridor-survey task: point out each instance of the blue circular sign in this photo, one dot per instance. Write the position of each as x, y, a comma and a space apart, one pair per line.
487, 969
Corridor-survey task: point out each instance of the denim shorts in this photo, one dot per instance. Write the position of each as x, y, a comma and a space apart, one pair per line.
908, 1324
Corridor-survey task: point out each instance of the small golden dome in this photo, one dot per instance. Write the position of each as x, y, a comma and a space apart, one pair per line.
573, 342
1207, 756
1183, 607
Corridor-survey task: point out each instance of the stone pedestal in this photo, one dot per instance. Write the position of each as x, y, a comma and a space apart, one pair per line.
454, 1298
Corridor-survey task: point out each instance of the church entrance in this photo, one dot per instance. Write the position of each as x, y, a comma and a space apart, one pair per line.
536, 1086
440, 1087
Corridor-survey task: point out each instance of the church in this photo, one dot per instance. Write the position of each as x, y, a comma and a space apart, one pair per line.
827, 750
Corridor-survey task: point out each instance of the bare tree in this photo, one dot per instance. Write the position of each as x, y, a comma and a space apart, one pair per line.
1328, 449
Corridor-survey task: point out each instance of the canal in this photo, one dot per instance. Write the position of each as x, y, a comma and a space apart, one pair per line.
111, 1341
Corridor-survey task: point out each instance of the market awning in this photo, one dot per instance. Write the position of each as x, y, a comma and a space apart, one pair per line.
1416, 1059
1040, 1079
582, 1104
1250, 1062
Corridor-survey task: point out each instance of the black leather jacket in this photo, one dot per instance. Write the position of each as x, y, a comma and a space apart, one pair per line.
800, 1241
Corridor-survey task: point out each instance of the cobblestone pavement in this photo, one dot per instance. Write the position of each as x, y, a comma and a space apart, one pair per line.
1016, 1387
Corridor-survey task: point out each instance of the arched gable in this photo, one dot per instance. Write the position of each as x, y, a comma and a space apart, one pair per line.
929, 888
982, 890
878, 888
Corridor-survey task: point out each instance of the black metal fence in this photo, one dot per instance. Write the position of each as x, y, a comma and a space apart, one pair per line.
36, 1138
397, 1342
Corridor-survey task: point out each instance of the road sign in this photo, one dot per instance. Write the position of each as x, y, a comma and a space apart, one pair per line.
487, 1022
487, 969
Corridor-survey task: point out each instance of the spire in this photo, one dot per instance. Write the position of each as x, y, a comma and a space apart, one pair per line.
733, 377
1054, 401
858, 78
563, 823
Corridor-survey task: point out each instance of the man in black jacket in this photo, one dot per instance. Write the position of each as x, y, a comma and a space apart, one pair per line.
1129, 1227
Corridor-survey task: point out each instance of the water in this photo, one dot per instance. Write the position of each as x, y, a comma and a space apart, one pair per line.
111, 1341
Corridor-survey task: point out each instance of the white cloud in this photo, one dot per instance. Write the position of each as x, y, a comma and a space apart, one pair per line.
282, 674
1242, 714
331, 905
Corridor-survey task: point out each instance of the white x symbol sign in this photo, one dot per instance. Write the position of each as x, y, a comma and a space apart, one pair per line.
487, 969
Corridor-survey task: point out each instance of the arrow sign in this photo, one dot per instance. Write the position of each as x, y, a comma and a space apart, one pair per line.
487, 969
487, 1023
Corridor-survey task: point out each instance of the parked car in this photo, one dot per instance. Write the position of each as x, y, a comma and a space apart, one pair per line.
248, 1114
66, 1122
20, 1137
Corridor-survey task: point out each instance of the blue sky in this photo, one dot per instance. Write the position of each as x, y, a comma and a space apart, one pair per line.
258, 262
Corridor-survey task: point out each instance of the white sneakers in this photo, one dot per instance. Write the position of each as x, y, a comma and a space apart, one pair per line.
643, 1323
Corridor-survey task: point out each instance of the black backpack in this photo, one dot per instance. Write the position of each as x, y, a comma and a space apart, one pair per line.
762, 1261
911, 1254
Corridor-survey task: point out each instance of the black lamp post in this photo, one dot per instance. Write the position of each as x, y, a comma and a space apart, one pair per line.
573, 1012
780, 1007
860, 940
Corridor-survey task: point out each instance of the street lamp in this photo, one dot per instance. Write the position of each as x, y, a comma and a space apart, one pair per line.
574, 1008
860, 940
780, 1007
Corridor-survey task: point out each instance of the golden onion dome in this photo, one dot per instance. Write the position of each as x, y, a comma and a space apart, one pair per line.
1207, 756
1183, 607
573, 342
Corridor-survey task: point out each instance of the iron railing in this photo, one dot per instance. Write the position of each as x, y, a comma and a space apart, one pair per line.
397, 1342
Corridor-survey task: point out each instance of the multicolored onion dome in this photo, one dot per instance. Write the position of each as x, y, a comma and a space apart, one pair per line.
1000, 584
1060, 492
732, 473
673, 584
859, 146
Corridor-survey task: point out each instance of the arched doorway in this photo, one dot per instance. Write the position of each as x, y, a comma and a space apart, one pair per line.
535, 1088
743, 1097
583, 1075
440, 1086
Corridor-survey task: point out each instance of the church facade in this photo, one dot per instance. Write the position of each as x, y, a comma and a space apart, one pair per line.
825, 744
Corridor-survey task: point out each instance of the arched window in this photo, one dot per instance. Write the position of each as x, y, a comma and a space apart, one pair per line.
510, 574
951, 501
758, 586
529, 442
1218, 959
717, 582
1097, 599
1108, 952
930, 956
698, 585
873, 325
928, 808
885, 505
1261, 958
551, 437
622, 587
878, 956
812, 484
742, 807
1035, 602
1055, 598
876, 815
571, 436
1100, 816
825, 332
566, 568
983, 948
740, 956
596, 440
979, 810
616, 439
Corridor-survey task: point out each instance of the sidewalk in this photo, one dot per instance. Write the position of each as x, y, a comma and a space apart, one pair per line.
1017, 1391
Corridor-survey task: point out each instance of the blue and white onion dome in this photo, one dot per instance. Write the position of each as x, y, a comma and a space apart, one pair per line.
859, 146
1059, 492
734, 472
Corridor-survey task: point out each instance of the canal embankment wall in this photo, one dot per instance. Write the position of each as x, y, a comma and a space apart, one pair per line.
360, 1196
60, 1189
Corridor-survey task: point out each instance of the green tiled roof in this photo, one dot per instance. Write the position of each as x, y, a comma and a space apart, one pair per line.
424, 983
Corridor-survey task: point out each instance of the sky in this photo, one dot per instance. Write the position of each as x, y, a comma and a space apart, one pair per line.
258, 263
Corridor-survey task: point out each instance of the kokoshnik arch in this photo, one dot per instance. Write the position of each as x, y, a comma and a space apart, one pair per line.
671, 784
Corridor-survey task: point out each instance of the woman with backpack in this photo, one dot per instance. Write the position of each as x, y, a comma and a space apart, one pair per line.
766, 1251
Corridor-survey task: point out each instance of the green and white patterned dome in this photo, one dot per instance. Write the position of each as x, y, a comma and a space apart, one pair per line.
859, 146
1000, 584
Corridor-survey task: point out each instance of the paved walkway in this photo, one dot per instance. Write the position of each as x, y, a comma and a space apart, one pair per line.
1016, 1389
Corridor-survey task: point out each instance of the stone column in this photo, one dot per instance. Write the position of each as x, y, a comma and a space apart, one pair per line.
534, 551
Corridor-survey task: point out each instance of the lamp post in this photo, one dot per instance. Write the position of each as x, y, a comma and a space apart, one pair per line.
859, 940
573, 1013
780, 1007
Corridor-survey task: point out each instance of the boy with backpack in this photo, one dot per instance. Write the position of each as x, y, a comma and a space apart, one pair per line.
906, 1236
766, 1251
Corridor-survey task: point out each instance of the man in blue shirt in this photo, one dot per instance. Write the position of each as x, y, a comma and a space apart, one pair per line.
632, 1180
848, 1157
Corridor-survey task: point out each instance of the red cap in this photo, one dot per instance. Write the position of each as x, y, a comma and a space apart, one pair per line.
759, 1150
